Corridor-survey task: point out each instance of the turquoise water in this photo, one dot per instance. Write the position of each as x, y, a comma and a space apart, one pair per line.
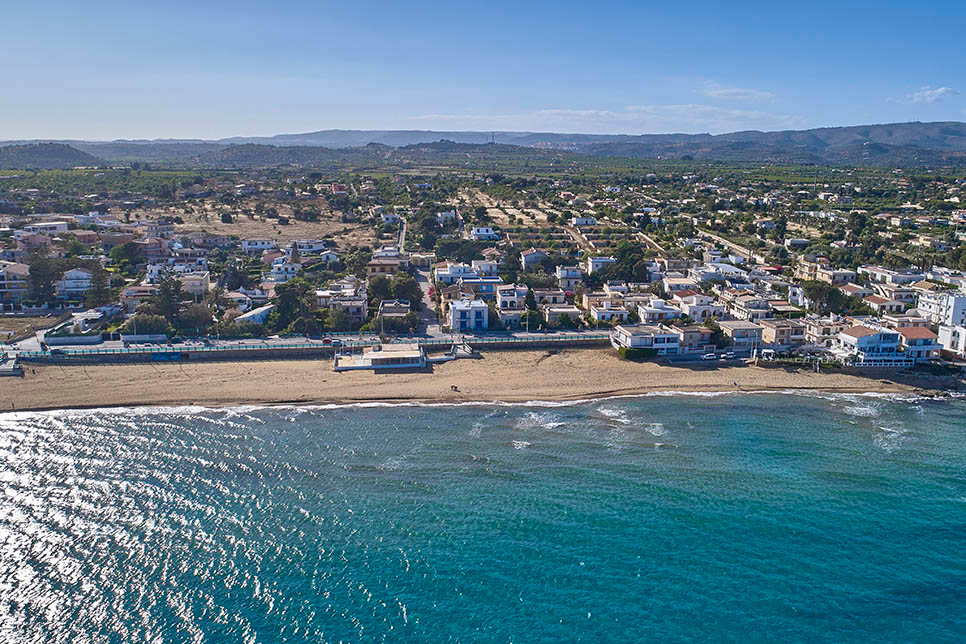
679, 518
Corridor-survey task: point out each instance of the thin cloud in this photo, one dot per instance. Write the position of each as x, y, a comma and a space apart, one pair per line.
737, 94
633, 119
928, 95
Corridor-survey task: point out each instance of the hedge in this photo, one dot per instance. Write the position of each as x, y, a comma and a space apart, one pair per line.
636, 355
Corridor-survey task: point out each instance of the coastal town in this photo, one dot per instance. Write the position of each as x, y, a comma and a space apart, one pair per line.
856, 269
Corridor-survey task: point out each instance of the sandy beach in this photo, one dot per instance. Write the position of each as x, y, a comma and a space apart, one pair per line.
499, 375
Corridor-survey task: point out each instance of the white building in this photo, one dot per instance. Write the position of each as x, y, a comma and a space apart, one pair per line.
385, 356
700, 307
443, 218
257, 245
485, 267
451, 272
157, 271
511, 297
608, 311
74, 283
47, 227
481, 233
642, 336
657, 310
673, 284
890, 276
863, 346
568, 277
283, 270
943, 308
468, 315
953, 339
597, 263
310, 246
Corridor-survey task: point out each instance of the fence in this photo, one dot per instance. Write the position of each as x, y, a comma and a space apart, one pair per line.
247, 350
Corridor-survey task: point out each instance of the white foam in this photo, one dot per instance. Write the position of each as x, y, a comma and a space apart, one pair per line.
889, 438
863, 411
655, 429
193, 409
617, 415
520, 444
538, 420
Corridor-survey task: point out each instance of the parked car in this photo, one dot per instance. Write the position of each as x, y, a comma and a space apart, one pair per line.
338, 343
730, 355
709, 356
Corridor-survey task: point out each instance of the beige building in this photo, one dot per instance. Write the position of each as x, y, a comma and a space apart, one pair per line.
782, 334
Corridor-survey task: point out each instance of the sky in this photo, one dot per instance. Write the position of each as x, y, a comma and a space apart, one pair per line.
109, 70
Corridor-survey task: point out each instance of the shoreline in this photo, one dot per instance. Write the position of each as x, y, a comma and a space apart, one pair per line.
507, 377
908, 395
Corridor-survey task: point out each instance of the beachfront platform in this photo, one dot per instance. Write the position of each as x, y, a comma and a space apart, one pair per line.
383, 356
10, 367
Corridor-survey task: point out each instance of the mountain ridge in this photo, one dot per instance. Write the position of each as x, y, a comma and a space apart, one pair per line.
911, 144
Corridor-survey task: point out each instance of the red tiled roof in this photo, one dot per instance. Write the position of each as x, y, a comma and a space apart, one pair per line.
917, 333
859, 331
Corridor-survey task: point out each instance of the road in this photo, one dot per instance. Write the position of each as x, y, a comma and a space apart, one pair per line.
579, 238
653, 244
427, 314
729, 244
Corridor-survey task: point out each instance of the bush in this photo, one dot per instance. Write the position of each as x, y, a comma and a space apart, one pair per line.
144, 324
636, 355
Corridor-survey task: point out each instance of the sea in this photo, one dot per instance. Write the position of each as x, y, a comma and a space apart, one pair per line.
673, 518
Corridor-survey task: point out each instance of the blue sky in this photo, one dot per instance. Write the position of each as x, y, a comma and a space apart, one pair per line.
103, 70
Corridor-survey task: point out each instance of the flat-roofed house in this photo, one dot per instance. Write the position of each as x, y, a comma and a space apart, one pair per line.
568, 277
693, 338
780, 333
553, 313
468, 315
882, 305
608, 312
663, 340
384, 266
742, 333
385, 356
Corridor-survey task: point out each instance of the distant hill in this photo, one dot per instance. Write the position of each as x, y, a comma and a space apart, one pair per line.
151, 152
901, 144
359, 138
44, 156
893, 144
252, 154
